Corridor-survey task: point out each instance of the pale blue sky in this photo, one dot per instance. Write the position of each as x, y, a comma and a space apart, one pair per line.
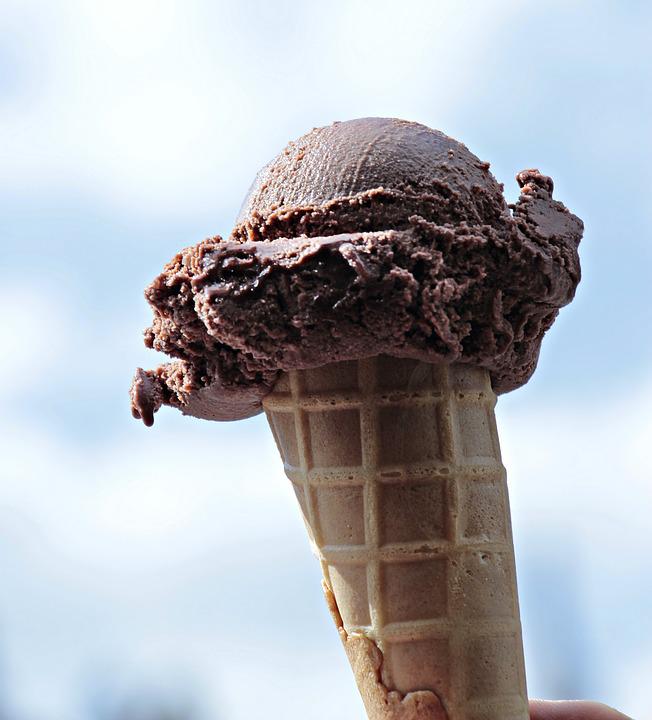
130, 130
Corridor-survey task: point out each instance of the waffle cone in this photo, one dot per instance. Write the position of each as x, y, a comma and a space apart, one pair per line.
396, 465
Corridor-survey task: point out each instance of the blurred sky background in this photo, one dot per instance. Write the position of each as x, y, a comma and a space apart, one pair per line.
166, 573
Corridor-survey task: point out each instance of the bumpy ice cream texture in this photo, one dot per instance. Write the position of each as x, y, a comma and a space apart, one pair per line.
367, 237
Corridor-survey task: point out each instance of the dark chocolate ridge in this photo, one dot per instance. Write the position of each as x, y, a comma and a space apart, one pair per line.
377, 209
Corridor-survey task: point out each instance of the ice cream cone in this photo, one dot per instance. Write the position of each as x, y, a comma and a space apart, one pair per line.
396, 465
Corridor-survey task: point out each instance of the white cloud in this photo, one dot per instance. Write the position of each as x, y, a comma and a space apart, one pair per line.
577, 464
36, 331
152, 497
581, 488
633, 681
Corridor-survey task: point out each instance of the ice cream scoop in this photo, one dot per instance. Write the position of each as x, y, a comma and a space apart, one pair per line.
365, 237
374, 296
368, 174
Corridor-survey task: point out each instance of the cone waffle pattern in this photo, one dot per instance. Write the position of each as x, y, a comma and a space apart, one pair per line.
396, 465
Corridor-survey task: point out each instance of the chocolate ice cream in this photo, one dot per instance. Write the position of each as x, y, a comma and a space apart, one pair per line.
373, 236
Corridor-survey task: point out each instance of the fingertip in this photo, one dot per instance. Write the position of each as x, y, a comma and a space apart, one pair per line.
573, 710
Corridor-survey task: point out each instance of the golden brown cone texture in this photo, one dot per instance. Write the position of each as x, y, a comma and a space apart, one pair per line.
396, 465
